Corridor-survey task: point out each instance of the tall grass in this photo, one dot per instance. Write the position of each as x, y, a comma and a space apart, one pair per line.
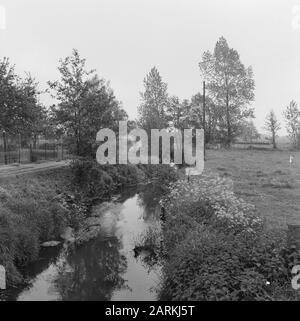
30, 213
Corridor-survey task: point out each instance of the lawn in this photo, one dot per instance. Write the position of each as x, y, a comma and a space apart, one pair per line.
263, 178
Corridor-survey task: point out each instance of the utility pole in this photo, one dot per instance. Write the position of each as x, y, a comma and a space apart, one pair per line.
20, 146
4, 147
204, 103
204, 117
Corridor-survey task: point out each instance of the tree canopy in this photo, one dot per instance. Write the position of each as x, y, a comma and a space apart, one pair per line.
20, 109
230, 86
86, 104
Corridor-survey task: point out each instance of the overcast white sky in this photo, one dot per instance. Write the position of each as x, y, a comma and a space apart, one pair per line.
123, 39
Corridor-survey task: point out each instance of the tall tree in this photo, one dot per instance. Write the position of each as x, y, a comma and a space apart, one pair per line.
292, 119
152, 111
272, 125
86, 104
230, 84
20, 109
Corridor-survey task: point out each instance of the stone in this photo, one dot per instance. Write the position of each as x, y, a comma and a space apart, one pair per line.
50, 244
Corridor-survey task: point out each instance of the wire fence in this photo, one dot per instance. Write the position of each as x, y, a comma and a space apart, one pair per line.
22, 150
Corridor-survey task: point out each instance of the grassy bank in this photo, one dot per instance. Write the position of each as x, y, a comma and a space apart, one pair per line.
30, 214
217, 246
38, 207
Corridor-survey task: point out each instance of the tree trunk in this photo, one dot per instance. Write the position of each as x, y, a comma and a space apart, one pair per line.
274, 140
228, 121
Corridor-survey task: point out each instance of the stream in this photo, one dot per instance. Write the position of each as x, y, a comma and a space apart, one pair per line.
106, 268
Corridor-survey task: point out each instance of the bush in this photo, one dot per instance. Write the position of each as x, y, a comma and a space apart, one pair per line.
209, 265
100, 181
216, 195
161, 175
217, 248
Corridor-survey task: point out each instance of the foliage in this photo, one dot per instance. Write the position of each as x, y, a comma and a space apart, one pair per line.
230, 86
20, 110
161, 175
154, 102
248, 132
211, 265
292, 118
217, 248
30, 213
231, 213
272, 125
99, 181
177, 112
86, 104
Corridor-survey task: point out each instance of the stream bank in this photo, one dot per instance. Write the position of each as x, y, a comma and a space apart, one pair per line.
106, 267
49, 203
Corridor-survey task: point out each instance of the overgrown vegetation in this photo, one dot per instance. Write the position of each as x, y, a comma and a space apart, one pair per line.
38, 208
30, 213
99, 181
217, 247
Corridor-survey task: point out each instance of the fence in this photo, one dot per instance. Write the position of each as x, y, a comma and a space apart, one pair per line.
18, 149
263, 145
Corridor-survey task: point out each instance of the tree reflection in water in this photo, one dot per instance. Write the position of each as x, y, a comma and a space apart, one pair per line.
92, 272
149, 196
105, 268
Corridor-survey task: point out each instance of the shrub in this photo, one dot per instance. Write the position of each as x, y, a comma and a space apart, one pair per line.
209, 265
96, 180
217, 248
160, 174
216, 194
102, 180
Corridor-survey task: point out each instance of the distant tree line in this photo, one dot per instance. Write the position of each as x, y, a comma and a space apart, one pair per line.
291, 116
85, 103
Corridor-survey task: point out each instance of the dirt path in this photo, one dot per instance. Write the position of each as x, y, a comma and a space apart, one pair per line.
16, 170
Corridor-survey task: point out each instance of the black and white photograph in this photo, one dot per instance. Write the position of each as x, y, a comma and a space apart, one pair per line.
149, 153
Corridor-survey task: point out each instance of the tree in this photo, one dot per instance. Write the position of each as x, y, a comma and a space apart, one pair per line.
230, 86
212, 118
20, 109
292, 118
272, 126
152, 111
249, 132
177, 112
86, 104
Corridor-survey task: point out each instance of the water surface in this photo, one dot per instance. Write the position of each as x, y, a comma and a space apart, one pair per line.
106, 268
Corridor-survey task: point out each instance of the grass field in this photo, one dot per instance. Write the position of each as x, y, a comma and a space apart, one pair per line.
263, 178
